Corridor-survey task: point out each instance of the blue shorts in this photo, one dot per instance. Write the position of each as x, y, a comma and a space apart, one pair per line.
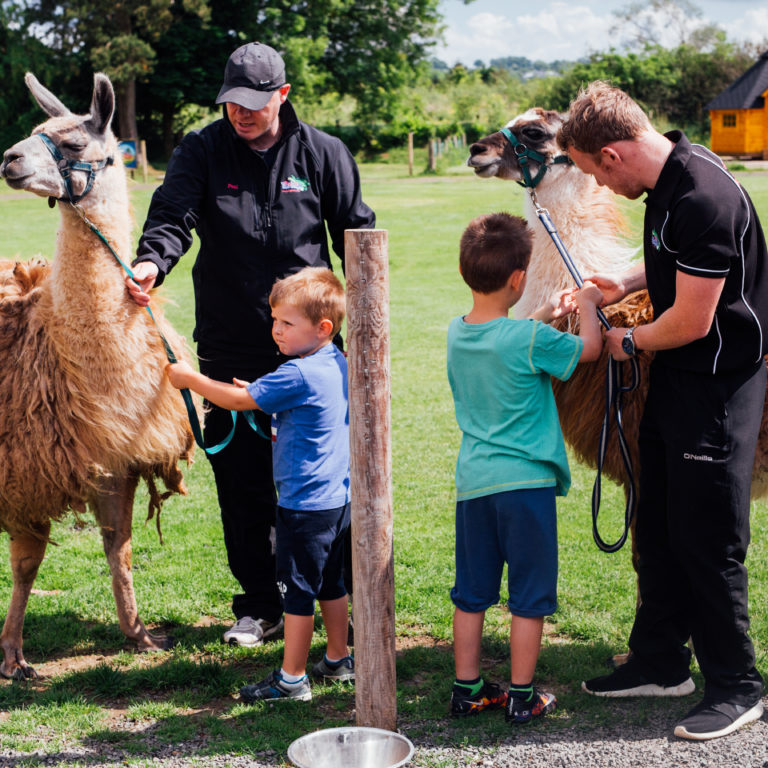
309, 549
516, 527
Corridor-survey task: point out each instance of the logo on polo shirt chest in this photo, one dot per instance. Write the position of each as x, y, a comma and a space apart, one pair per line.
294, 184
655, 242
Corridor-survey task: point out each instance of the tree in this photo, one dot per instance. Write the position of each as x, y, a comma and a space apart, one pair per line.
372, 50
649, 23
189, 65
118, 37
375, 48
21, 52
674, 84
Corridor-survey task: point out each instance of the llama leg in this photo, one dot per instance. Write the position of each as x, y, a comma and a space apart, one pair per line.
113, 508
27, 552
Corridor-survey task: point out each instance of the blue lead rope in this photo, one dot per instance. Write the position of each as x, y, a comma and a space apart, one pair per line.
65, 168
194, 422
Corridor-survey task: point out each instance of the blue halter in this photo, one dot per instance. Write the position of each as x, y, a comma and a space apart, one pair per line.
525, 153
67, 166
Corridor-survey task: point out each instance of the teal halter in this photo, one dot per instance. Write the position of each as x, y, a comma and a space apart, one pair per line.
524, 154
67, 166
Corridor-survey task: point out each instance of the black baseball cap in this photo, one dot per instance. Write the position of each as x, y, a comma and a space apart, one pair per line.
253, 73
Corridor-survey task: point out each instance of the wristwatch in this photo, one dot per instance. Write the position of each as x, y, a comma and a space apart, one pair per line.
628, 343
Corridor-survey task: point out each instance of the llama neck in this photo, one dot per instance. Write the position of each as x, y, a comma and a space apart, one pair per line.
85, 274
87, 290
590, 226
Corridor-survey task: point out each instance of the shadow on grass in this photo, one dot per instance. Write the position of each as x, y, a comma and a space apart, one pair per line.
186, 707
61, 634
425, 677
65, 635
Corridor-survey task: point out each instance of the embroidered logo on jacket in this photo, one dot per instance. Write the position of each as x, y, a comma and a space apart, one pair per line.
655, 240
294, 184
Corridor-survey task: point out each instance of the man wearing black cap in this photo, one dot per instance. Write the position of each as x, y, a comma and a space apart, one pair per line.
259, 187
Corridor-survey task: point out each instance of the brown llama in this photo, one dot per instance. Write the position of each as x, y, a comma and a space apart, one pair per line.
591, 227
85, 409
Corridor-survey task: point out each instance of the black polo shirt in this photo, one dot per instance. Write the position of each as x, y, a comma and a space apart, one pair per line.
699, 220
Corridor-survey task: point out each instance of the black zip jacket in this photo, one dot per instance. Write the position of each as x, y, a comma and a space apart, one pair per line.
255, 223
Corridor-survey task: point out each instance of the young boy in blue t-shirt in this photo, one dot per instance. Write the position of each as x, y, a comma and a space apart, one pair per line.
512, 461
307, 398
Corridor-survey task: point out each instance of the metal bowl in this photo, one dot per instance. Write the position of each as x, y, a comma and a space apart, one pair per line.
350, 747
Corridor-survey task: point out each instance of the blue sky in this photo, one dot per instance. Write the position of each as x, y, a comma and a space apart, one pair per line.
558, 29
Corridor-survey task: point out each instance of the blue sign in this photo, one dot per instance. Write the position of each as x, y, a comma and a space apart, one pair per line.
128, 153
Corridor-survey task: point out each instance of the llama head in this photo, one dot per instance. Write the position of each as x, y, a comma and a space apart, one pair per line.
86, 147
588, 219
536, 129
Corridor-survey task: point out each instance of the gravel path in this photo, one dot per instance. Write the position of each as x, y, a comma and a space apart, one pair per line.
649, 746
627, 746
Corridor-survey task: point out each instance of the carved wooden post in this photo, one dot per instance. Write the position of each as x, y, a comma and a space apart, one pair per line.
371, 476
143, 156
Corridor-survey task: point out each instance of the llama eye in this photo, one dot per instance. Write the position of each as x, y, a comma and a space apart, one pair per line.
534, 133
72, 146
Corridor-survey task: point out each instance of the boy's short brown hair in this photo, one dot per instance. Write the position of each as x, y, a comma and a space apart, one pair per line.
599, 115
492, 247
316, 292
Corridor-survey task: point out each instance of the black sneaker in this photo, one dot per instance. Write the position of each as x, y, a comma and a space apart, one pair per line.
711, 719
341, 672
520, 710
273, 688
628, 680
463, 703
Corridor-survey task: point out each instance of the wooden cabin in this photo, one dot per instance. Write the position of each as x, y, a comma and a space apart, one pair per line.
739, 115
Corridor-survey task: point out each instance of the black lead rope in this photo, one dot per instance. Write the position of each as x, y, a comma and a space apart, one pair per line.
614, 390
614, 386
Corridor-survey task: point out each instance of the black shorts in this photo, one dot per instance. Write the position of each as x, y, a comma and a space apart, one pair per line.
310, 556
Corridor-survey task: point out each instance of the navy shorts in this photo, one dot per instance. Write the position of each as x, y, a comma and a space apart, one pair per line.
516, 527
310, 556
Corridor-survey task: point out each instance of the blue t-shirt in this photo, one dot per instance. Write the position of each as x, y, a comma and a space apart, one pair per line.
308, 400
500, 377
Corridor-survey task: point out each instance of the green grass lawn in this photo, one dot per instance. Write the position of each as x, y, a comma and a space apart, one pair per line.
94, 685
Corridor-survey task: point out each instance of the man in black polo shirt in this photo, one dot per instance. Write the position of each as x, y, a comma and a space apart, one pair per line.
706, 269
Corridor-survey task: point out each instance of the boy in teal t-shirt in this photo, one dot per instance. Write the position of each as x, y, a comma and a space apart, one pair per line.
512, 461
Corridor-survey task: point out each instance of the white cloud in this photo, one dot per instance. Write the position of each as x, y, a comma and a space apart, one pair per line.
489, 29
561, 32
751, 27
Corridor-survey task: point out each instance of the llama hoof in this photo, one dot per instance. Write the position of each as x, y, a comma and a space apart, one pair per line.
20, 674
157, 643
25, 673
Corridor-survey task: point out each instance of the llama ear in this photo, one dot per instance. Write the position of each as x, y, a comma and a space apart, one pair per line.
102, 104
47, 101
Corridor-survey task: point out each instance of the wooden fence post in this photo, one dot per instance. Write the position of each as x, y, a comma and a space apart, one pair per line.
371, 476
143, 155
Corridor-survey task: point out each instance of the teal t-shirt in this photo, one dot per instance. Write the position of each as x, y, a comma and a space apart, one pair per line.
500, 378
